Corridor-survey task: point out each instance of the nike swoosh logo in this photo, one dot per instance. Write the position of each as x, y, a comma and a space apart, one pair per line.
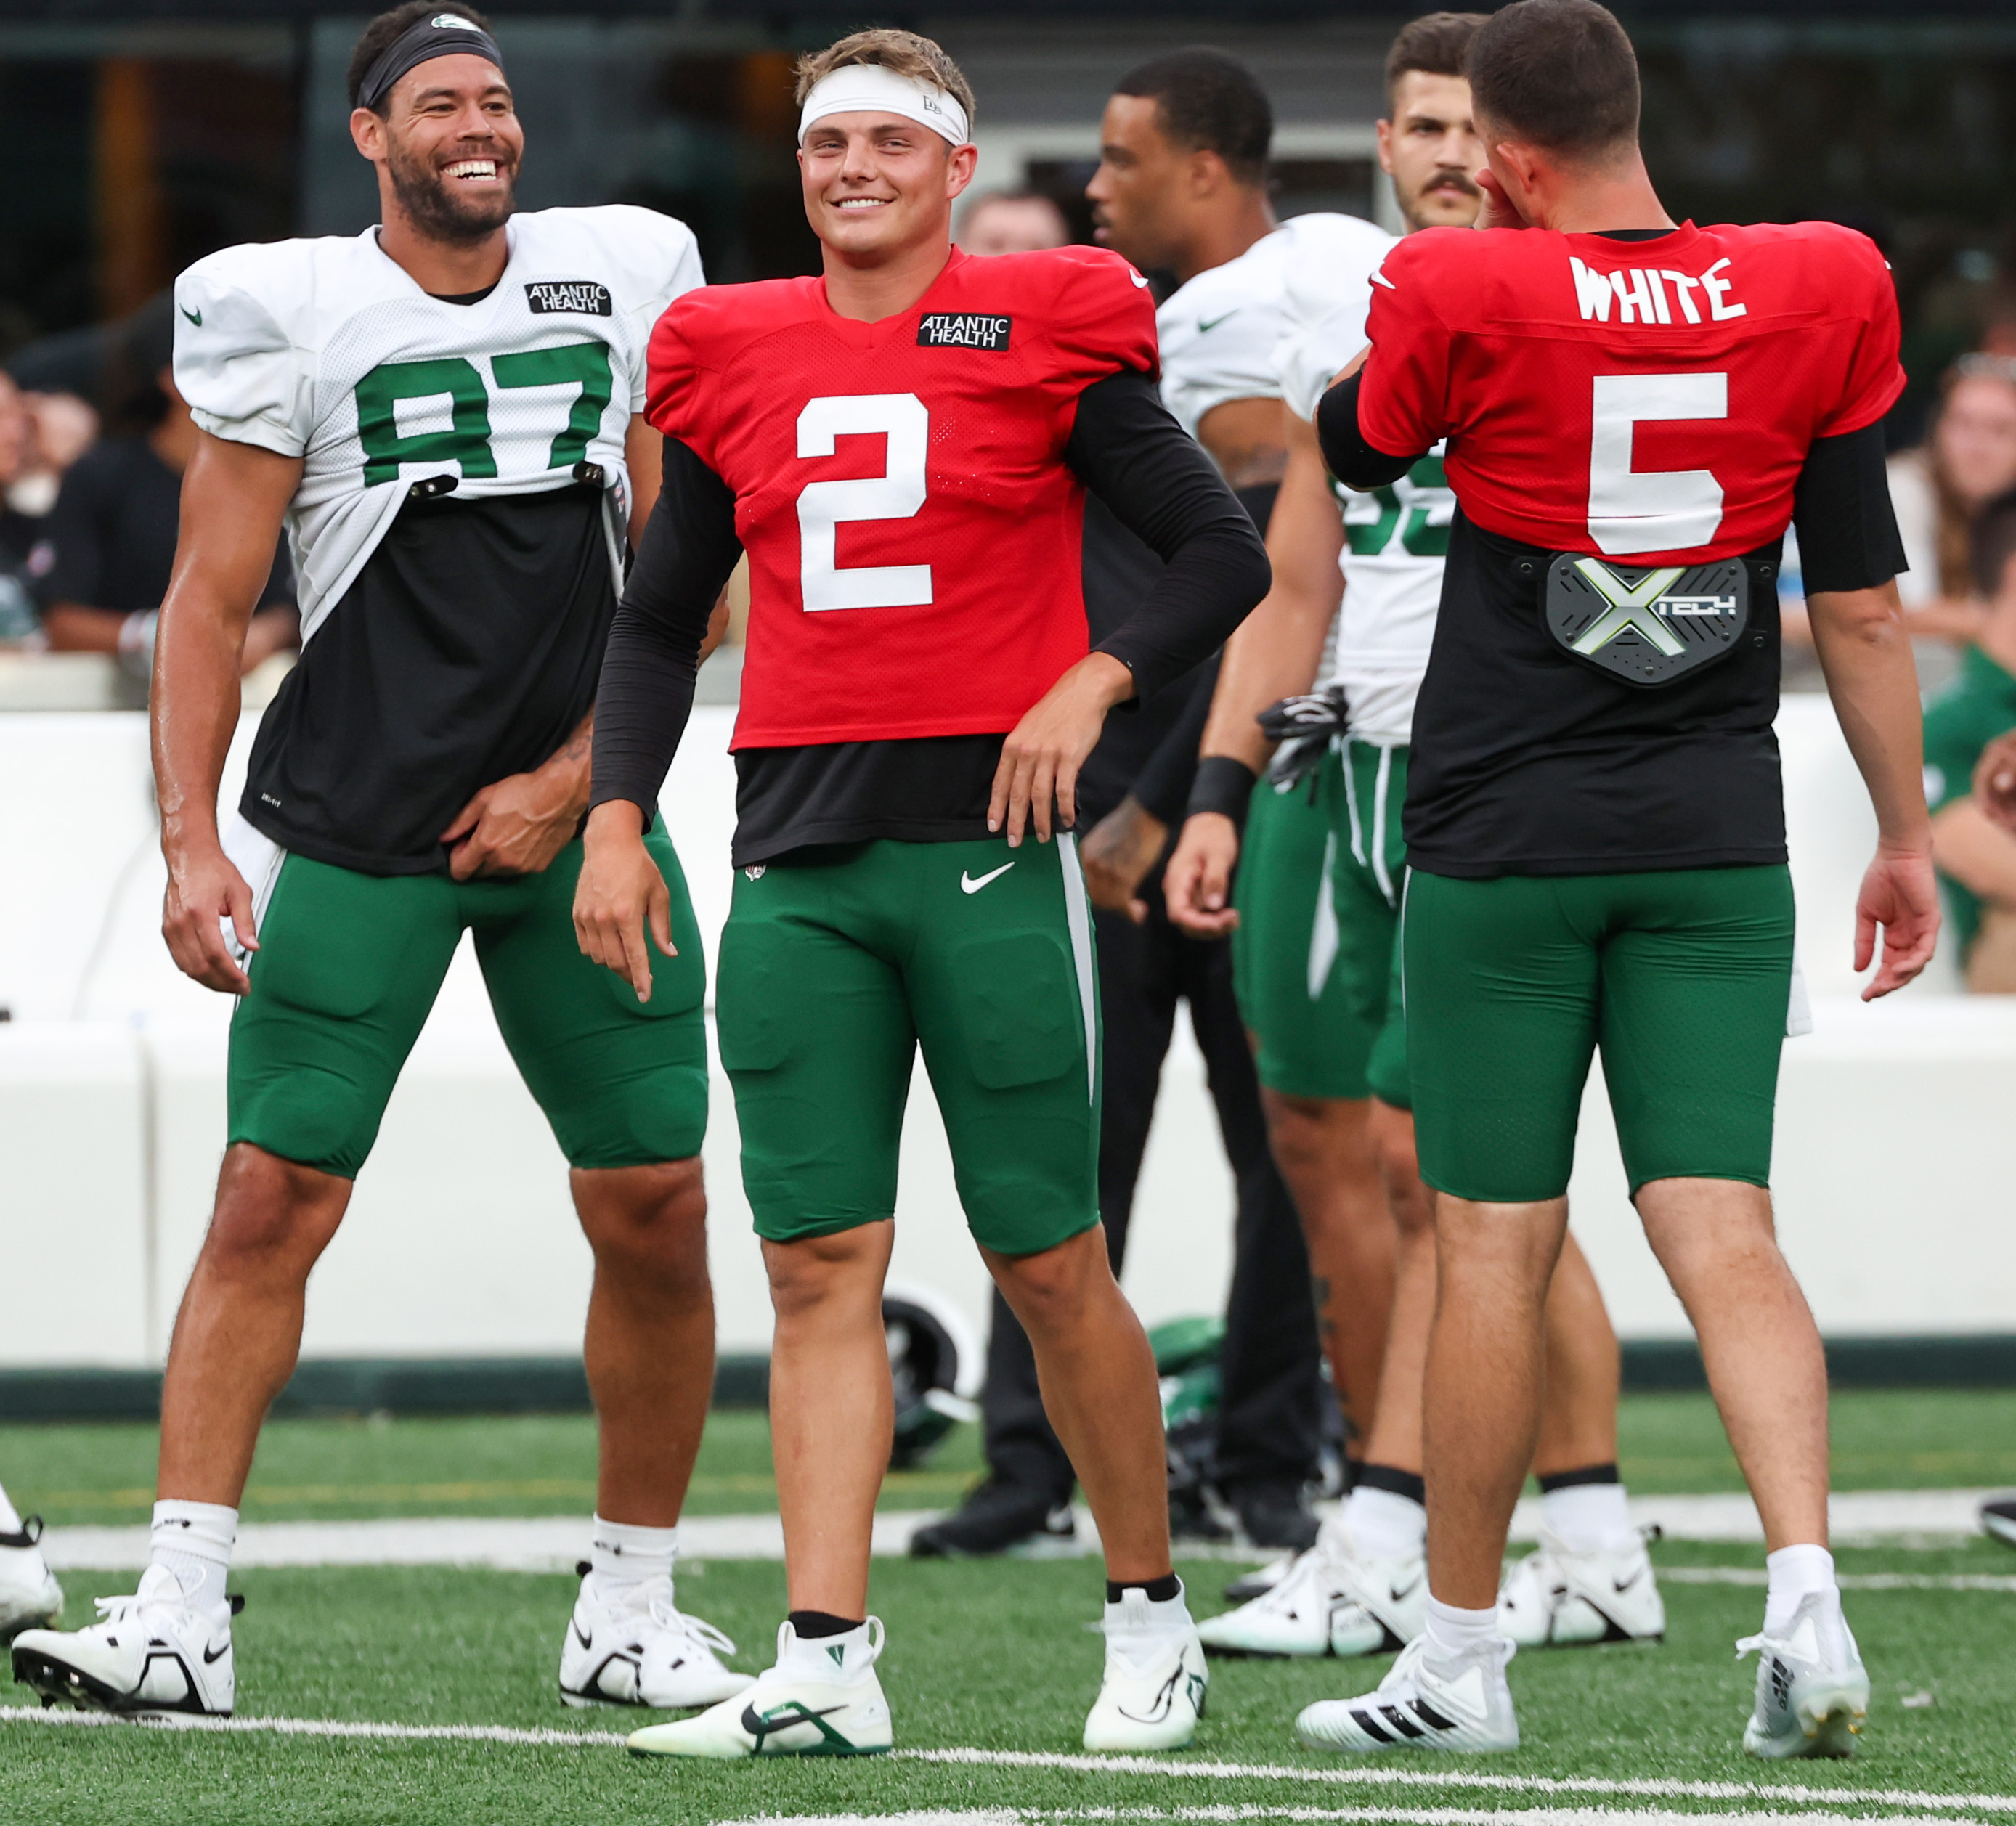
195, 316
1205, 328
1626, 1584
1137, 280
211, 1657
585, 1637
1400, 1596
968, 885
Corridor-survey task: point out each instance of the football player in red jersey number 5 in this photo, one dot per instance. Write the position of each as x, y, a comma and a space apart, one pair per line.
903, 448
1635, 411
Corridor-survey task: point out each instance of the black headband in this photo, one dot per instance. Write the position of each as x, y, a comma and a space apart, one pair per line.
442, 35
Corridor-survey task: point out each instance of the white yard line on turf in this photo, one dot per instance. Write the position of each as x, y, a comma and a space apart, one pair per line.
1847, 1581
553, 1544
1260, 1811
1385, 1775
1367, 1775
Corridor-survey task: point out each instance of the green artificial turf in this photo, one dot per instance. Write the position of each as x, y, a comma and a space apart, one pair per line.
545, 1464
993, 1655
519, 1465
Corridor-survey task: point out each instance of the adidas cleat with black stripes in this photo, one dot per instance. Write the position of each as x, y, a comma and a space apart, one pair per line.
822, 1699
1423, 1704
1812, 1690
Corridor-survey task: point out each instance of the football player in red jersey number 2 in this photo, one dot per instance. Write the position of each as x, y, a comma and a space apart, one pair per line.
1635, 411
903, 448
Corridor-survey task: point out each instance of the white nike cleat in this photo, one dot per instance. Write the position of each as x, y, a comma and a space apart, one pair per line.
1154, 1692
646, 1653
29, 1593
1422, 1705
151, 1655
821, 1700
1332, 1600
1561, 1597
1812, 1690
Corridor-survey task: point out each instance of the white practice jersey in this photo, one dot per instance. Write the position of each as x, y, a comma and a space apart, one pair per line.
327, 350
1220, 332
1395, 537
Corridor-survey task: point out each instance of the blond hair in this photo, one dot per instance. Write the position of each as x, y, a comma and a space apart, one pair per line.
901, 53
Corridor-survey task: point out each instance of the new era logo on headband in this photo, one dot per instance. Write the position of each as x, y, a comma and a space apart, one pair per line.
964, 329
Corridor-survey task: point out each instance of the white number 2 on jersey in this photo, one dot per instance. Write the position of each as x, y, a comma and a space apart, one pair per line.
1651, 510
895, 494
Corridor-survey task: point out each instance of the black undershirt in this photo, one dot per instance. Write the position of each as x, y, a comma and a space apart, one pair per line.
1126, 450
467, 649
1527, 761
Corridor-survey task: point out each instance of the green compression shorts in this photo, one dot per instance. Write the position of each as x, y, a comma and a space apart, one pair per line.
837, 963
1306, 1042
1682, 976
349, 965
1315, 955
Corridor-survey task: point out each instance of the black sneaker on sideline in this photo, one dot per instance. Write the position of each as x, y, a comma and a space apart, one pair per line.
998, 1517
1274, 1514
1999, 1518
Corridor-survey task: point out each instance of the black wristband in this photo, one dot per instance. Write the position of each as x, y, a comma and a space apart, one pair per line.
1223, 784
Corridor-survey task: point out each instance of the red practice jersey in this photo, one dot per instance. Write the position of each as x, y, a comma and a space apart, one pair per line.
912, 531
1650, 400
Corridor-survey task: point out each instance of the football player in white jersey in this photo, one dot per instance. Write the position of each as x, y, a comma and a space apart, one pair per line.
1363, 1587
443, 412
1178, 189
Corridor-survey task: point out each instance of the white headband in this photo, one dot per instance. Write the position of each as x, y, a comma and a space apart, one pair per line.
872, 89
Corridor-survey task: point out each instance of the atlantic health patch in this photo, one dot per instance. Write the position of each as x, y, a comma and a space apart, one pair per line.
572, 298
962, 330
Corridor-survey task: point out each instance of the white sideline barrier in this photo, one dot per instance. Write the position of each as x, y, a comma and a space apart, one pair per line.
460, 1241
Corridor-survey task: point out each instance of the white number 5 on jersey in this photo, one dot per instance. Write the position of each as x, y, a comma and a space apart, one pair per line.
1651, 510
895, 494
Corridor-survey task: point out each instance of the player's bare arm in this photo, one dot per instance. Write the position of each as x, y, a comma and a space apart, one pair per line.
1274, 655
234, 496
1865, 652
1976, 852
621, 896
1043, 753
518, 824
1244, 439
1995, 781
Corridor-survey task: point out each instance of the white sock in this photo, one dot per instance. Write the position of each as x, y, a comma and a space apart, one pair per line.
10, 1523
827, 1658
193, 1541
623, 1555
1589, 1517
1794, 1572
1384, 1523
1461, 1635
1138, 1622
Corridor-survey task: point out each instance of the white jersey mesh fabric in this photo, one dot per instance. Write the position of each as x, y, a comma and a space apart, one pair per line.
1395, 537
1219, 332
328, 350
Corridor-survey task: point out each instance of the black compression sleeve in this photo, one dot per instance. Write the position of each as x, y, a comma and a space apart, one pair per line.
1160, 484
1847, 527
1163, 785
1354, 462
645, 694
